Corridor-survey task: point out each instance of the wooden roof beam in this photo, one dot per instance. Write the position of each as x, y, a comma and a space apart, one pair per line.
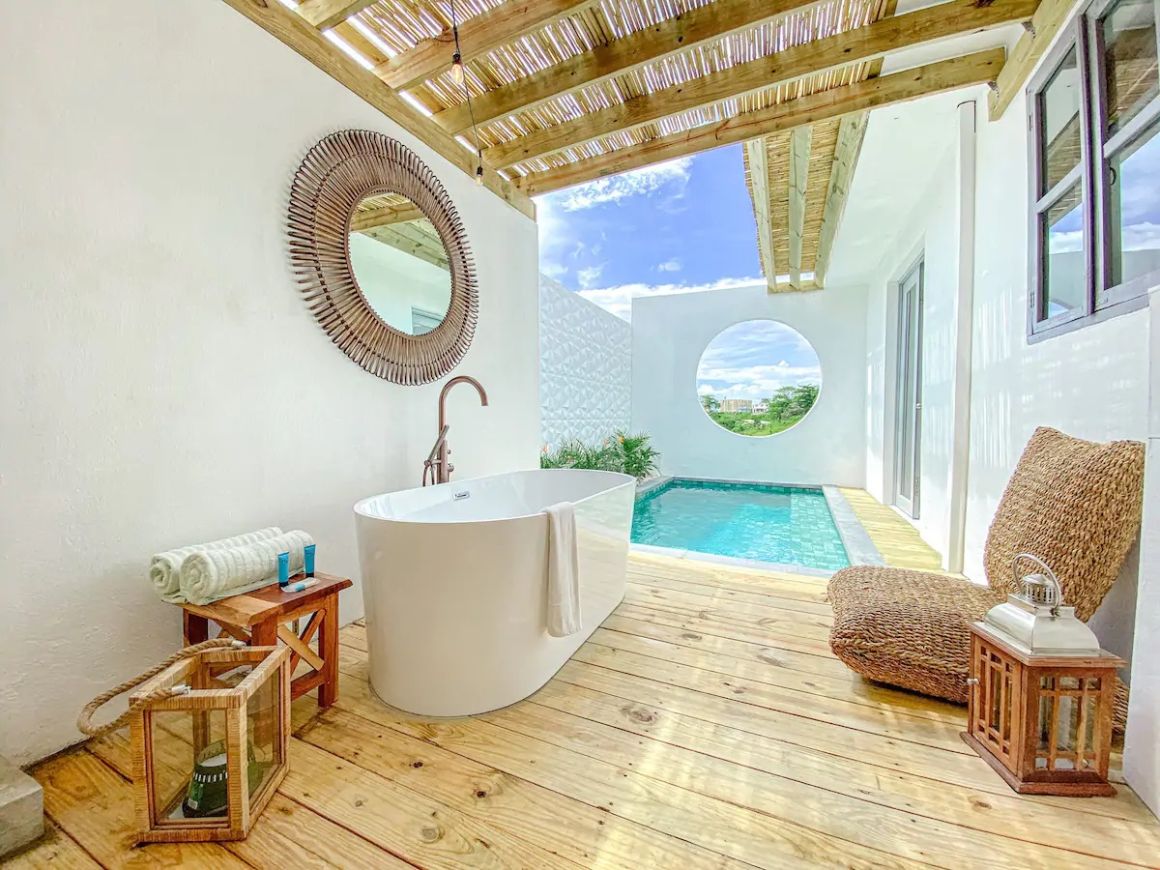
799, 172
381, 217
309, 42
1041, 30
788, 65
477, 36
325, 14
693, 28
959, 72
850, 135
757, 163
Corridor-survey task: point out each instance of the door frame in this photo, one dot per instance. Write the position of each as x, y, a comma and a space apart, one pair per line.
911, 506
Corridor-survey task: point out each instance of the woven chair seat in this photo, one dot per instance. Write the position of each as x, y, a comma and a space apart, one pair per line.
907, 628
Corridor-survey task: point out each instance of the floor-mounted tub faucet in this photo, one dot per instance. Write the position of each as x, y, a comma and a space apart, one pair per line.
436, 465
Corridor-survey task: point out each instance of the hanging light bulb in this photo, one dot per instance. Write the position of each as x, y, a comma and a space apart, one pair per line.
458, 74
479, 175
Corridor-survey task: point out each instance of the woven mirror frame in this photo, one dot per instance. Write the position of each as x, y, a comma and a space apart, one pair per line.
336, 175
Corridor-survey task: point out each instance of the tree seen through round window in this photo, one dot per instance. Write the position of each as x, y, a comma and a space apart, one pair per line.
758, 378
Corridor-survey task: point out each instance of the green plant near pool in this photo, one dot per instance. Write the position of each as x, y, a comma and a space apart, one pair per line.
622, 452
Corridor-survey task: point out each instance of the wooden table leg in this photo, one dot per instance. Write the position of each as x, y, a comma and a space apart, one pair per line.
328, 648
264, 633
194, 628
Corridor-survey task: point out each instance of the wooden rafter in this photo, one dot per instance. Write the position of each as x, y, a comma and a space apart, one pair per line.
325, 14
851, 132
1043, 27
415, 238
799, 168
693, 28
757, 168
477, 36
823, 55
896, 87
309, 42
381, 217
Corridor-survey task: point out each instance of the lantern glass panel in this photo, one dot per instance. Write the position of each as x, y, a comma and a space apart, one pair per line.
264, 721
188, 765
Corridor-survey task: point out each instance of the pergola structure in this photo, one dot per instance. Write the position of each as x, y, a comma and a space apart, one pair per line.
564, 92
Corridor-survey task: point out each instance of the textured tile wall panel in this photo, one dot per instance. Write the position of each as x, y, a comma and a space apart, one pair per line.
585, 368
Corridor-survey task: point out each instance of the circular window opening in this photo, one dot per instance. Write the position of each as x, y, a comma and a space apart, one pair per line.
758, 378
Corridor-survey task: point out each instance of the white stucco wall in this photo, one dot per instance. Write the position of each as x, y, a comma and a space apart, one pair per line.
669, 334
1091, 383
585, 368
163, 382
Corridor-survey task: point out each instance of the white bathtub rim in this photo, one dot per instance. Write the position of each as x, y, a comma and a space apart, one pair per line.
622, 480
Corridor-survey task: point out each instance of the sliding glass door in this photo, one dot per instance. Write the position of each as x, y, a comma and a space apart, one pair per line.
908, 395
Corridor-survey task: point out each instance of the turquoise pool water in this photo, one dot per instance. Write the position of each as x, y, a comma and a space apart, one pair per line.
782, 524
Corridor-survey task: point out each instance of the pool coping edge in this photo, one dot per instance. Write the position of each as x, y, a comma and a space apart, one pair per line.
860, 547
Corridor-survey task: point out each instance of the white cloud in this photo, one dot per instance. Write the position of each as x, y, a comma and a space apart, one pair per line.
673, 265
589, 276
639, 183
555, 271
618, 300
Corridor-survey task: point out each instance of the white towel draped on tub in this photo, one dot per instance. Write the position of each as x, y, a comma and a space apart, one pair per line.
165, 568
563, 571
210, 575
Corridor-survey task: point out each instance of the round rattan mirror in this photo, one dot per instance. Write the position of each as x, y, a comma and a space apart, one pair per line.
382, 258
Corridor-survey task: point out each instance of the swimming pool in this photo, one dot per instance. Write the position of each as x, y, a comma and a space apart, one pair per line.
787, 525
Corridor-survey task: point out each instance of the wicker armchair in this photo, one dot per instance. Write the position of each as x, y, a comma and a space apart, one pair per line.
1075, 504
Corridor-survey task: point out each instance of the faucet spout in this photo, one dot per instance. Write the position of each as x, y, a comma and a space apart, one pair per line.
437, 464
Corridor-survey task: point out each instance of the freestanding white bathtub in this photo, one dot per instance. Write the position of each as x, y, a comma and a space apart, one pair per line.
454, 580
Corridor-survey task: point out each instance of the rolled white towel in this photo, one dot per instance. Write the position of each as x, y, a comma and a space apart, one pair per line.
165, 568
210, 575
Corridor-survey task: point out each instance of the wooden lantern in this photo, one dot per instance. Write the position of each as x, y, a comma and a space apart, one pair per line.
1041, 693
207, 759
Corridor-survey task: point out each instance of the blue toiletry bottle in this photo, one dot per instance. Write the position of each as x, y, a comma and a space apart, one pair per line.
283, 569
308, 553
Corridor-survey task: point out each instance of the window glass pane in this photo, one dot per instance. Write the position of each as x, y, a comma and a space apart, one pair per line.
1064, 272
1059, 107
1134, 209
1130, 75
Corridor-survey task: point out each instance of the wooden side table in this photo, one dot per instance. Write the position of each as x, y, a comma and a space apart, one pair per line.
262, 617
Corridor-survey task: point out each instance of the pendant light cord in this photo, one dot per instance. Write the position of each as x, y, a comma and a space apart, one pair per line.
467, 94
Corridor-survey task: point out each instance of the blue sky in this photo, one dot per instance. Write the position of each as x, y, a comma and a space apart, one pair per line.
678, 226
754, 359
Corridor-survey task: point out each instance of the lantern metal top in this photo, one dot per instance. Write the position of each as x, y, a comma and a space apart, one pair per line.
1036, 621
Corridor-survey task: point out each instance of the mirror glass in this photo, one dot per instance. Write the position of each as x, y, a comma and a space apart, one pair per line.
400, 263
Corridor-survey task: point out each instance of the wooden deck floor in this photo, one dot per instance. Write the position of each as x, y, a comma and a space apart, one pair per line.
896, 539
704, 725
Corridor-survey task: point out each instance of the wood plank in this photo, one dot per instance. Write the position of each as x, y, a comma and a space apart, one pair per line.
684, 31
870, 94
552, 821
813, 624
1047, 21
409, 825
757, 169
851, 132
896, 539
722, 590
848, 689
799, 168
781, 583
907, 835
307, 41
859, 45
1002, 814
94, 806
325, 14
477, 36
713, 824
55, 849
849, 716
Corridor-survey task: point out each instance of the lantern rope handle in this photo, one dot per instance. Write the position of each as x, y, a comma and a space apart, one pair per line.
1048, 573
85, 719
